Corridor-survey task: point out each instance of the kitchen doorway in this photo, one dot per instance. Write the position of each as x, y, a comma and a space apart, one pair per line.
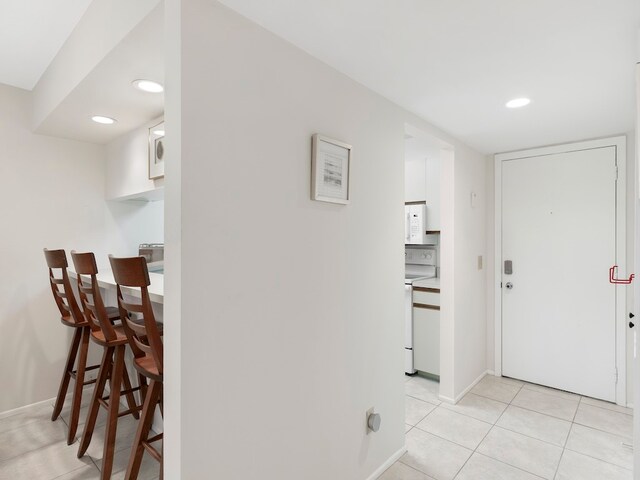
428, 164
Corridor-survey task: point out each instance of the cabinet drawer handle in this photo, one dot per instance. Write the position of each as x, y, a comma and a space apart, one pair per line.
424, 305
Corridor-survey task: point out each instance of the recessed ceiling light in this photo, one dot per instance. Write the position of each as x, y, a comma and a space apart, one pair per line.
103, 120
148, 86
159, 133
518, 102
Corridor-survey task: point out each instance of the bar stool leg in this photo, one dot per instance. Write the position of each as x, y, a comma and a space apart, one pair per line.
98, 392
146, 420
64, 382
112, 415
77, 390
131, 401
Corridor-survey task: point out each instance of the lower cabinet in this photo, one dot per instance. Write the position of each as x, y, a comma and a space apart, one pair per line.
426, 338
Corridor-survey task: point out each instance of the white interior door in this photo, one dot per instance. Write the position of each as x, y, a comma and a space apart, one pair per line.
559, 231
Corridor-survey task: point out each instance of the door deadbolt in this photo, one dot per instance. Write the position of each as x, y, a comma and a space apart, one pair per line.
509, 285
508, 267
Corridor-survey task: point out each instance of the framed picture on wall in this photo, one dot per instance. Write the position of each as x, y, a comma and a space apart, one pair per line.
156, 151
330, 170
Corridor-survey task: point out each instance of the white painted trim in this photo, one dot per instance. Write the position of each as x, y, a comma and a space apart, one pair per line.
497, 255
390, 461
88, 390
15, 411
454, 401
449, 400
621, 260
620, 142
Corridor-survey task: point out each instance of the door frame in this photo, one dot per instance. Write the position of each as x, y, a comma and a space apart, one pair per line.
620, 143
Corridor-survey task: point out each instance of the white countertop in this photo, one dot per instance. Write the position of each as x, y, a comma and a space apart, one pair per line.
428, 283
106, 280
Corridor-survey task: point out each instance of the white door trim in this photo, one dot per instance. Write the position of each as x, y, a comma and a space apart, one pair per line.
620, 143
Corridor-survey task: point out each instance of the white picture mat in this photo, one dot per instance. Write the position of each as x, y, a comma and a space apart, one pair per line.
156, 166
331, 164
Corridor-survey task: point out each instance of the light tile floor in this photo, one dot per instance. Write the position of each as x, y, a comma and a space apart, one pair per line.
504, 429
34, 447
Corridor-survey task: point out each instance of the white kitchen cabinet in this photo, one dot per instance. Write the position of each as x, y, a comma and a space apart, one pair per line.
422, 184
432, 193
426, 331
415, 186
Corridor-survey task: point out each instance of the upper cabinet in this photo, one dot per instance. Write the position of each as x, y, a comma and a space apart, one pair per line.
128, 167
415, 186
432, 175
422, 184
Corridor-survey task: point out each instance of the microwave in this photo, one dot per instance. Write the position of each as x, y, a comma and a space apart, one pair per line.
415, 225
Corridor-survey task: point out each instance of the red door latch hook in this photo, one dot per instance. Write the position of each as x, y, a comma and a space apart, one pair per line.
622, 281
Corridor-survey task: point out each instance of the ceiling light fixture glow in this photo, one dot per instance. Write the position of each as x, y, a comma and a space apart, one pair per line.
103, 120
518, 102
148, 86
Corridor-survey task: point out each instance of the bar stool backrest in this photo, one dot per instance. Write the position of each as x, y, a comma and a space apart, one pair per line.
144, 338
90, 297
61, 287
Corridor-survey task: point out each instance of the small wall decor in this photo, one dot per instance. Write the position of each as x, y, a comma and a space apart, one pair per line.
330, 170
156, 151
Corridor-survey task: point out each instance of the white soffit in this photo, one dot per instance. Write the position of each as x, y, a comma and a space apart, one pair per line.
108, 91
31, 33
456, 63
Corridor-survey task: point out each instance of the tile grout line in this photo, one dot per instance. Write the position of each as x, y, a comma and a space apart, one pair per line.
495, 424
598, 459
558, 466
485, 436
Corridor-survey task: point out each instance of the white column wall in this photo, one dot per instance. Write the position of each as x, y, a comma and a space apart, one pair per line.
288, 308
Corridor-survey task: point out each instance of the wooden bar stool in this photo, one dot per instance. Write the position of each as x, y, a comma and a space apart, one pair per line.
146, 343
114, 341
71, 316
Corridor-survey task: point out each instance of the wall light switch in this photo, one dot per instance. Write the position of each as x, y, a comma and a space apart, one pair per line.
479, 262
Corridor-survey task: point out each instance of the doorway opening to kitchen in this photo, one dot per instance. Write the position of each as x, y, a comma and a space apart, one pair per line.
428, 218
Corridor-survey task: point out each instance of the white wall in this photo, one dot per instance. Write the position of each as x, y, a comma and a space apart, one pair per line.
128, 164
290, 324
469, 281
53, 196
130, 223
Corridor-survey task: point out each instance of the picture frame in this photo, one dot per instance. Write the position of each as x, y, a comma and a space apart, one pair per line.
330, 170
157, 151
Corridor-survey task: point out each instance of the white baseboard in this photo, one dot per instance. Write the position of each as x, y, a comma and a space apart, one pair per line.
15, 411
88, 390
491, 372
453, 401
390, 461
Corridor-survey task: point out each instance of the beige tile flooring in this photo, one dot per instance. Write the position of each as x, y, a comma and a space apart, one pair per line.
504, 429
33, 447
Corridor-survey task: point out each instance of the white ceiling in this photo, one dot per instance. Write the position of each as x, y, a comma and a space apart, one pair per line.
107, 90
31, 33
457, 62
454, 63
